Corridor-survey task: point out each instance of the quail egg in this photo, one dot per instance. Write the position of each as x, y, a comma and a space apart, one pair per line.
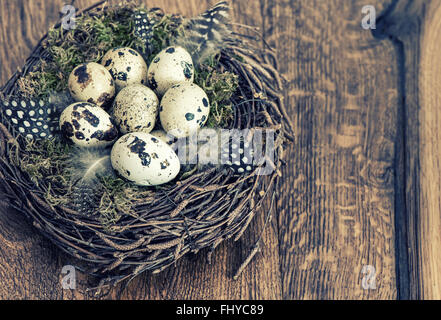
87, 125
163, 136
184, 109
126, 66
144, 159
135, 109
171, 66
91, 82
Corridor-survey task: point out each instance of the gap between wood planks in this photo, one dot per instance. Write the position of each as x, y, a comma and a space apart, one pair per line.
415, 27
337, 210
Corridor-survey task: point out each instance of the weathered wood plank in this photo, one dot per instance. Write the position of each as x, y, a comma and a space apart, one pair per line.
29, 265
415, 27
337, 211
193, 277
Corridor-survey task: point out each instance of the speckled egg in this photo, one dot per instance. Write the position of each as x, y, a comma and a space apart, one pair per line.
126, 66
135, 109
173, 65
184, 109
144, 159
91, 82
163, 136
87, 125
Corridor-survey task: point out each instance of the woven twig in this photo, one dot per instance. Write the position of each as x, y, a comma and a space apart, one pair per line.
199, 212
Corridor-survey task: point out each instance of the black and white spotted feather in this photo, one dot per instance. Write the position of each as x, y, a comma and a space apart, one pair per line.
31, 118
144, 22
235, 153
238, 155
206, 34
35, 118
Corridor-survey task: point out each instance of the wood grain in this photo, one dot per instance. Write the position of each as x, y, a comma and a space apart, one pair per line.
415, 26
192, 277
430, 150
337, 199
338, 213
29, 265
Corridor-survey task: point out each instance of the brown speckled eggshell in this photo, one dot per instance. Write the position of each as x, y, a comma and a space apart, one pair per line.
164, 136
184, 109
144, 159
171, 66
126, 66
91, 82
87, 125
135, 109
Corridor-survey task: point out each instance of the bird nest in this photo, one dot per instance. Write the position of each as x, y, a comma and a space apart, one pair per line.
135, 229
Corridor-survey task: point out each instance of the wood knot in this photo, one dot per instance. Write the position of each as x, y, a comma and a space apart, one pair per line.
378, 174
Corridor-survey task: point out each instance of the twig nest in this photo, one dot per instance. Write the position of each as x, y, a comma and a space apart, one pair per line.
135, 109
184, 109
173, 65
117, 229
91, 82
87, 125
126, 67
144, 159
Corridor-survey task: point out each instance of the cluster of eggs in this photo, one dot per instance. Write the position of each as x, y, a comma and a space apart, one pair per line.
135, 96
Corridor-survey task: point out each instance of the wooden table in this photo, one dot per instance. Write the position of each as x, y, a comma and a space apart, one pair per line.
360, 196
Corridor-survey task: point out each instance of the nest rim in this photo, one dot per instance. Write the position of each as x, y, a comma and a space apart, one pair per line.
155, 240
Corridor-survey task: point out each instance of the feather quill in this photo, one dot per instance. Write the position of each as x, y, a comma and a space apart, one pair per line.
205, 35
86, 166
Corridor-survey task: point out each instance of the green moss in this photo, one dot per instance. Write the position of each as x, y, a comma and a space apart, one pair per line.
88, 42
41, 82
220, 87
112, 204
118, 199
92, 38
165, 29
44, 159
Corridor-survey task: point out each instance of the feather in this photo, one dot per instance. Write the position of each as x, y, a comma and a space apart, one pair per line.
144, 22
237, 154
35, 118
205, 35
86, 166
61, 100
219, 149
32, 118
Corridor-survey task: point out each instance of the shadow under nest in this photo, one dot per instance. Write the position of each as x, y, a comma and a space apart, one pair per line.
149, 228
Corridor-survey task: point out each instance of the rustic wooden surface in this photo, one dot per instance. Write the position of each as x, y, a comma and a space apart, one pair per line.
415, 27
342, 188
338, 215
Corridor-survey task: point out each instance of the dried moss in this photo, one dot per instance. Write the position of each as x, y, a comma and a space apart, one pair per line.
112, 203
165, 29
118, 199
220, 87
42, 81
49, 160
92, 38
44, 159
